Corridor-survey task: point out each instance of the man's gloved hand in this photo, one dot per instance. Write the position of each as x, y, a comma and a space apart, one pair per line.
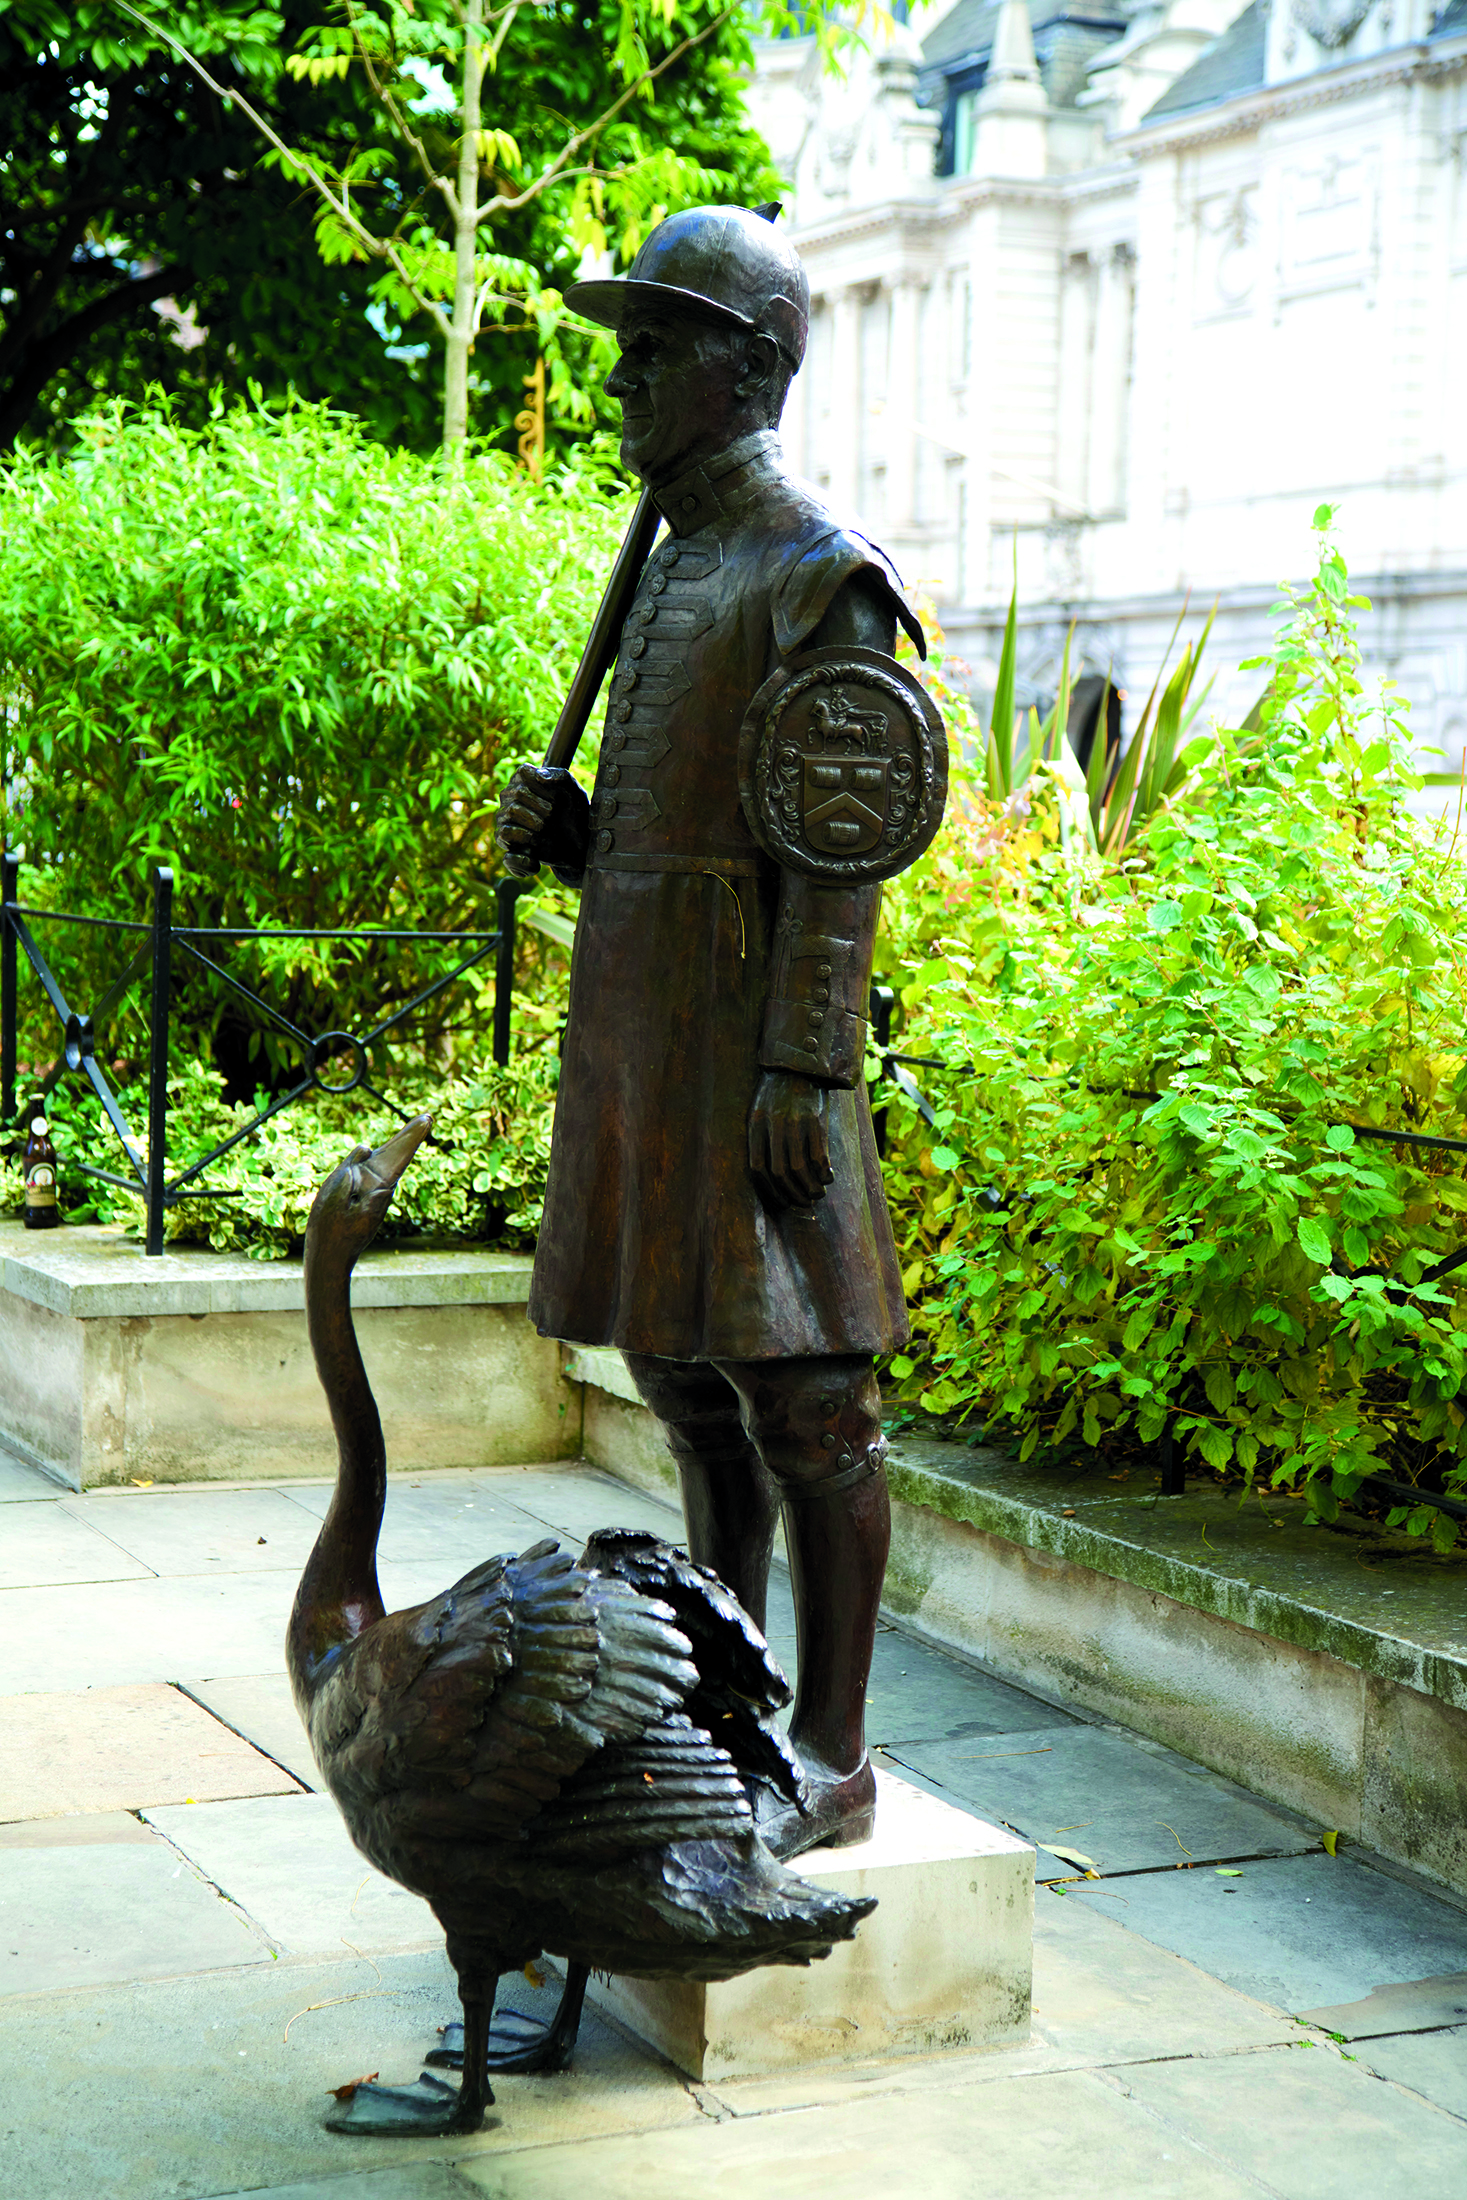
789, 1148
544, 817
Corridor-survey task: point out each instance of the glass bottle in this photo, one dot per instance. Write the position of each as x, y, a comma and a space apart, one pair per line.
41, 1210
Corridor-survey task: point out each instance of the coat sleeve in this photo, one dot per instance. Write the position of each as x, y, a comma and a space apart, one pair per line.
839, 588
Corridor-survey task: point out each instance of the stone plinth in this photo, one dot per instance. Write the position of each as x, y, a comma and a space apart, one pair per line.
196, 1366
944, 1962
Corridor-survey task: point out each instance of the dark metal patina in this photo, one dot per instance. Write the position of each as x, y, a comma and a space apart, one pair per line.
715, 1207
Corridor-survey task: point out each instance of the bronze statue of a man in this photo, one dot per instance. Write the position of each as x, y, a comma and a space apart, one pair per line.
715, 1206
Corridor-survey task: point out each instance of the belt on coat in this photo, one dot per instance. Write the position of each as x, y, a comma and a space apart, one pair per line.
718, 866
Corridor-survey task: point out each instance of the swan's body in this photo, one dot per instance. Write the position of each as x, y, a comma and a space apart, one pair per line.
533, 1752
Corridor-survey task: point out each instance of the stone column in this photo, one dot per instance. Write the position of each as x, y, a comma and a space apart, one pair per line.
1110, 393
898, 439
844, 399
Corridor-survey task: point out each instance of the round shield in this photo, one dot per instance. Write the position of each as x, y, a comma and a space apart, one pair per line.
843, 766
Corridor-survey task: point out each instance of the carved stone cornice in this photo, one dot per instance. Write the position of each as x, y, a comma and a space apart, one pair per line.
1249, 111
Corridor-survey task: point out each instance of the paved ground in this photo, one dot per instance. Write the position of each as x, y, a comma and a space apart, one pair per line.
191, 1953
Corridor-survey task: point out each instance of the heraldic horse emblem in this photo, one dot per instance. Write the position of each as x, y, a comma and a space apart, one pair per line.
845, 795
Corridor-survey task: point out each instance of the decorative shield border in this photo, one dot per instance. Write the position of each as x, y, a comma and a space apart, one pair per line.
774, 816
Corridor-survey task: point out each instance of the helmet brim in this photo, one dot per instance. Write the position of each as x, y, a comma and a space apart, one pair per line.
610, 301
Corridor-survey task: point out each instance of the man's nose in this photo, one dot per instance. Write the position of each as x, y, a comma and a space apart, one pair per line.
621, 381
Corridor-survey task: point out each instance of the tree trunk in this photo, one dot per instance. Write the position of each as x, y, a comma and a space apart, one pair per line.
461, 336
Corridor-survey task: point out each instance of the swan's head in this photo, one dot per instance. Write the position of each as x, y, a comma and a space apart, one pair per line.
350, 1205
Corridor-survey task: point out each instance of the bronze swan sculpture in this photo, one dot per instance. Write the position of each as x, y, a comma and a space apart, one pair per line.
532, 1751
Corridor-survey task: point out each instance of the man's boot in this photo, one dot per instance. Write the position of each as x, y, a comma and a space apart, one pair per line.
818, 1423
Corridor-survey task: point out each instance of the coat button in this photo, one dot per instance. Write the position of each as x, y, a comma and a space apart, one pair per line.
605, 842
657, 584
823, 971
621, 711
612, 775
670, 553
690, 504
615, 739
647, 613
637, 646
820, 993
817, 1018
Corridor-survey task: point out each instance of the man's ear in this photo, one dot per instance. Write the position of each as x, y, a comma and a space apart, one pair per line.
761, 365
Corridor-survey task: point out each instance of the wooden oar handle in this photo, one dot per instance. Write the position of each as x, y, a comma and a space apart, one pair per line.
600, 650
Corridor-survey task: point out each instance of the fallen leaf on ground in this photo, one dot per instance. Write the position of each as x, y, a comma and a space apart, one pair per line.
534, 1977
1331, 1843
348, 2092
1068, 1856
1228, 1871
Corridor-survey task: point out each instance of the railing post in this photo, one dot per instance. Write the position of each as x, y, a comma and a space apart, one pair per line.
9, 892
158, 1055
506, 894
883, 1001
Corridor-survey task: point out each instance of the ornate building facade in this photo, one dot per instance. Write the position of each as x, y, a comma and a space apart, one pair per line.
1123, 292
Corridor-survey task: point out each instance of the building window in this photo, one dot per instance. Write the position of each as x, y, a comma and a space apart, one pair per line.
964, 125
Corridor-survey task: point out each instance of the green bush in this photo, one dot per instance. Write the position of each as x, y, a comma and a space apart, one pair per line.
1144, 1198
480, 1177
297, 667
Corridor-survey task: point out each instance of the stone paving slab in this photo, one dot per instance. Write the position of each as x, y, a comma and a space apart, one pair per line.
83, 1831
151, 1629
453, 1520
119, 1748
257, 1530
289, 1861
44, 1546
20, 1482
1066, 2137
917, 1695
1302, 2122
420, 2181
92, 1916
1433, 2064
1301, 1932
212, 2084
1128, 1806
1425, 2005
260, 1706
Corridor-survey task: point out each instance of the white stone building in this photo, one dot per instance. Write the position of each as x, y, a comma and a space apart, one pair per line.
1133, 287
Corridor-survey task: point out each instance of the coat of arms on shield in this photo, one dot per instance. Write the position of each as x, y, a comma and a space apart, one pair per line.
843, 765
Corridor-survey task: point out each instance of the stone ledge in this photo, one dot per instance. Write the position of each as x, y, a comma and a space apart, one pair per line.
1404, 1621
92, 1273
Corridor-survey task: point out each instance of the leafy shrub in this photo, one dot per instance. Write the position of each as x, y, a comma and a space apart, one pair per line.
297, 667
481, 1176
1144, 1199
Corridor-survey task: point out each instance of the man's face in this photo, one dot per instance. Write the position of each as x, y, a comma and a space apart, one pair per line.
677, 381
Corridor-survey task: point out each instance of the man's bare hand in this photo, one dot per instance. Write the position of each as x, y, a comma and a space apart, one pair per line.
789, 1146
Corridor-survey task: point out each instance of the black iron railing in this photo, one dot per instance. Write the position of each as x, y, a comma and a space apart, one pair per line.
159, 942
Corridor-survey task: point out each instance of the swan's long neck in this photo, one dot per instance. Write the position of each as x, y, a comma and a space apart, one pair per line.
338, 1594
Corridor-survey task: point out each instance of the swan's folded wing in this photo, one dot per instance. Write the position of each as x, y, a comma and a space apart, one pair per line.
594, 1662
669, 1784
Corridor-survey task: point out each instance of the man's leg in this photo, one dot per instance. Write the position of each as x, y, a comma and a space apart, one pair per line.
729, 1503
817, 1424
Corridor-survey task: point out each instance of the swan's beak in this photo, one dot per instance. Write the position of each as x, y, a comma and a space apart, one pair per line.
389, 1161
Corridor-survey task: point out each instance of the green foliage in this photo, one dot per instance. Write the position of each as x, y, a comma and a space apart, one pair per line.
292, 665
1103, 805
1145, 1197
480, 1177
125, 181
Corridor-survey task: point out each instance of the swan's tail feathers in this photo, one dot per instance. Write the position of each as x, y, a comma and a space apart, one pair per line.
715, 1909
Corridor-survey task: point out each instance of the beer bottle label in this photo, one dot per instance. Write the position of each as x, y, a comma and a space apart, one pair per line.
40, 1185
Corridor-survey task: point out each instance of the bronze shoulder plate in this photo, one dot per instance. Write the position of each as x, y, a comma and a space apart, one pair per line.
843, 766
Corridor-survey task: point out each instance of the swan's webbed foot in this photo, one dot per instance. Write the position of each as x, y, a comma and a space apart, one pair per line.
428, 2109
520, 2044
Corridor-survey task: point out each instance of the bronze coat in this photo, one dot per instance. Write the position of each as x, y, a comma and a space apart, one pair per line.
699, 962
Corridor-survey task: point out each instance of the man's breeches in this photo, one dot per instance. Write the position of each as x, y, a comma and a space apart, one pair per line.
810, 1422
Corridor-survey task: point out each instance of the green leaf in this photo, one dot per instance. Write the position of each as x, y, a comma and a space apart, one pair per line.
1314, 1240
1164, 916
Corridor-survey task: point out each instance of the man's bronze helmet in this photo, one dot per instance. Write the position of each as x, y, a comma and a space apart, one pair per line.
721, 261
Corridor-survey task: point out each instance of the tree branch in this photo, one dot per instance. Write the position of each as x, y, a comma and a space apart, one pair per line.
379, 248
44, 359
